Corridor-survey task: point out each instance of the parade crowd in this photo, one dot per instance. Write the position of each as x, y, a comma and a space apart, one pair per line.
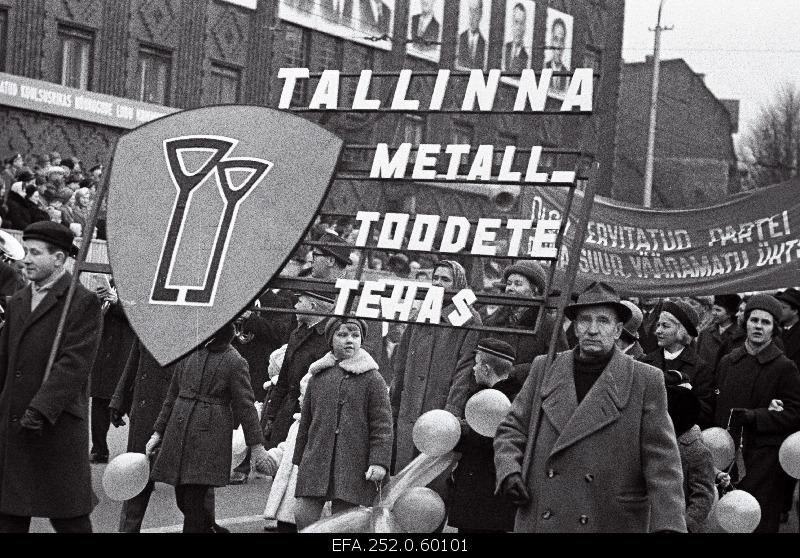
606, 438
48, 188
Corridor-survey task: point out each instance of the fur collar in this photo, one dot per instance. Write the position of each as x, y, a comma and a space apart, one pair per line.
361, 362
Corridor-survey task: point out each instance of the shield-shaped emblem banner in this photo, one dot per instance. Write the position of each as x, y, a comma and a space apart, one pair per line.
205, 206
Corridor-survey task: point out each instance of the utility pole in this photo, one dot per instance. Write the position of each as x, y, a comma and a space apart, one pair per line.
651, 134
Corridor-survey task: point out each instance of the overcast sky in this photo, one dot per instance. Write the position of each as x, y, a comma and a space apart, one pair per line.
746, 48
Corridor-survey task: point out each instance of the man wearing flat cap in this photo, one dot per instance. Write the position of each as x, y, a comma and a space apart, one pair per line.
44, 434
306, 344
588, 445
724, 333
758, 401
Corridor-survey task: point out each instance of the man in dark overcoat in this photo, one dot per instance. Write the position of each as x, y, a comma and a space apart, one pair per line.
115, 346
306, 344
44, 436
588, 445
261, 333
139, 394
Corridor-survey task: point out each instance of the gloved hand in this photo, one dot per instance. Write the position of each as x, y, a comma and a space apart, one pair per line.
32, 421
152, 444
742, 417
723, 479
116, 418
375, 473
515, 490
775, 405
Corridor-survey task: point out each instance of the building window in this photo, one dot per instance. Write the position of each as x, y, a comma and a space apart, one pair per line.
462, 133
153, 76
3, 38
355, 58
502, 141
223, 87
76, 57
296, 41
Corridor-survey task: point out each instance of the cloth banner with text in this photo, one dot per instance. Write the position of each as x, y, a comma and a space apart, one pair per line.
750, 242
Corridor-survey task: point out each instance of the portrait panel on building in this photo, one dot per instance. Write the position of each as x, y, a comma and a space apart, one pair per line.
360, 21
425, 29
473, 34
518, 37
558, 50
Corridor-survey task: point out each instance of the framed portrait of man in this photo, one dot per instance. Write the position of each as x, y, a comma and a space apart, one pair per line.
360, 21
425, 29
473, 34
558, 50
376, 18
517, 52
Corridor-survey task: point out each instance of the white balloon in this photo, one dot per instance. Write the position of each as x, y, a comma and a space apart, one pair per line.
738, 512
436, 432
789, 455
126, 476
721, 445
486, 410
238, 448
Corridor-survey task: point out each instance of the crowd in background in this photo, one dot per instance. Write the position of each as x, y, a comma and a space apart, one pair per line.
40, 188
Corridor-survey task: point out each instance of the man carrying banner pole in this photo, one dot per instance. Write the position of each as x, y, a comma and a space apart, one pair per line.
44, 462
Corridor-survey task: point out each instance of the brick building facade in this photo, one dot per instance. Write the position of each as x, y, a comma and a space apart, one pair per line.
694, 161
190, 53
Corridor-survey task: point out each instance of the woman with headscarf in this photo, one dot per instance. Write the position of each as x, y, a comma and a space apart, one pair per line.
433, 368
676, 327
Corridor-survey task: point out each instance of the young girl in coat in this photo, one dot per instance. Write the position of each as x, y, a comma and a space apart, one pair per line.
280, 503
344, 439
209, 394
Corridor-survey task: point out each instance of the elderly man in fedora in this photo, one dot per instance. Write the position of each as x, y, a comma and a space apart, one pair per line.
44, 437
588, 445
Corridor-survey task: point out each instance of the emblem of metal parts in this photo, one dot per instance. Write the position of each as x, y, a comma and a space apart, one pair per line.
205, 206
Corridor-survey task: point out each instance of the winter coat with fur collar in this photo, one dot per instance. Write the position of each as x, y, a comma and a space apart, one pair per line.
345, 426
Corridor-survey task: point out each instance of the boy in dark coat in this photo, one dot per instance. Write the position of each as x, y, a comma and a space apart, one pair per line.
209, 394
473, 506
696, 459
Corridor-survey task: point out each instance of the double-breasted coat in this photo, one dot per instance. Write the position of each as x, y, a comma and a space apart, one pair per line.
752, 382
433, 371
608, 464
345, 426
209, 393
305, 345
116, 341
140, 393
47, 476
699, 374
